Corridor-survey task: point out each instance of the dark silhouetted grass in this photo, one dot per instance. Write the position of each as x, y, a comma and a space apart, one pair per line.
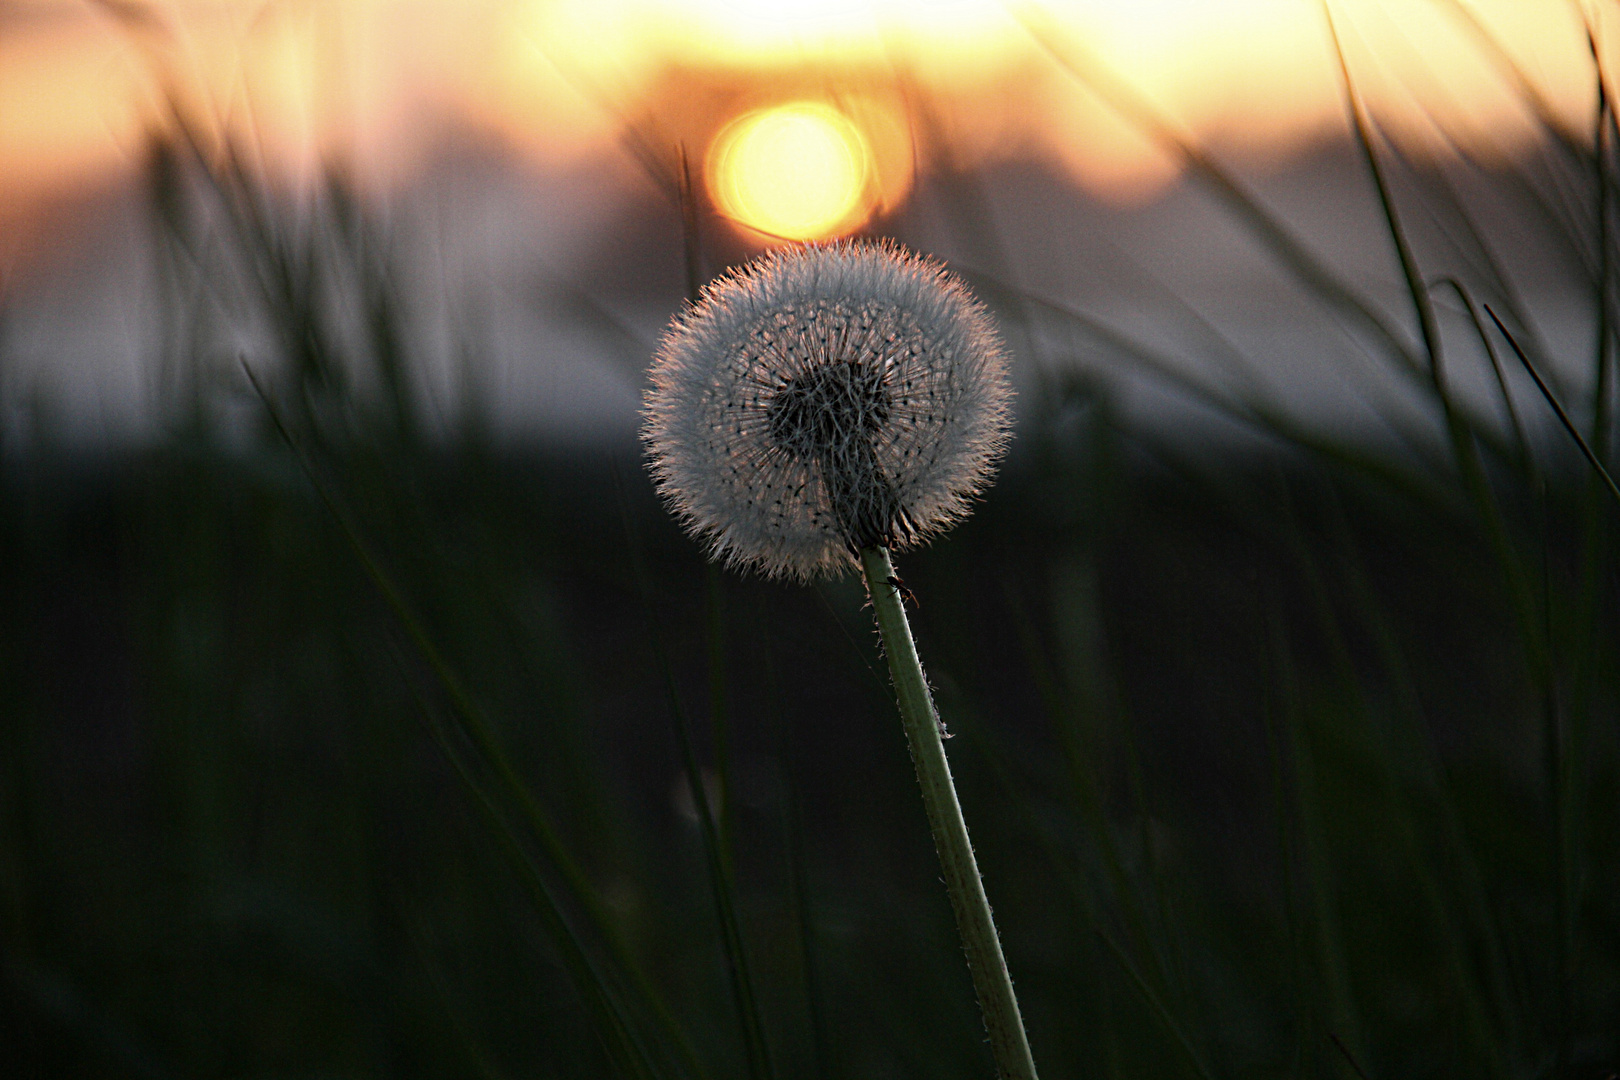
338, 742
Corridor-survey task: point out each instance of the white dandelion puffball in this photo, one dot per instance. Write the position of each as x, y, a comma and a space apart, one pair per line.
825, 399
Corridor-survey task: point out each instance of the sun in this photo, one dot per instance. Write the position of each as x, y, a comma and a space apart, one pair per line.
801, 171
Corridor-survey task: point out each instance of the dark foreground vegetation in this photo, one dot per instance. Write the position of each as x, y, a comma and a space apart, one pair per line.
333, 748
1267, 772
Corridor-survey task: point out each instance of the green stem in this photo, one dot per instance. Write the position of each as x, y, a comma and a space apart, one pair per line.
1002, 1022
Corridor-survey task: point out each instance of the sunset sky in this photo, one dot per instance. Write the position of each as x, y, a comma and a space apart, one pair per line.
523, 154
377, 83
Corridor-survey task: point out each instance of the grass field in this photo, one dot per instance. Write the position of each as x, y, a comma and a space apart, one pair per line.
333, 745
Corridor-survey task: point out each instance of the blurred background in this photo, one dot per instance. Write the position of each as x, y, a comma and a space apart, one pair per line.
356, 692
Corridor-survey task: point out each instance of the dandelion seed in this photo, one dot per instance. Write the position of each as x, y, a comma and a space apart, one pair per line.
823, 400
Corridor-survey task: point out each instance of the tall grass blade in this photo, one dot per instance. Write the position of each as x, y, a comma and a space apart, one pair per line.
1258, 415
1562, 777
1015, 790
1541, 107
1361, 128
826, 1062
1066, 725
1485, 1022
714, 603
826, 1059
1339, 1009
1552, 400
622, 1047
1524, 460
1349, 1058
691, 236
1461, 434
1601, 329
482, 736
1288, 842
1091, 72
721, 885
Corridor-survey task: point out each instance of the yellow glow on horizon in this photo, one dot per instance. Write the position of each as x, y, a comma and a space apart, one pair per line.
944, 83
801, 171
1251, 77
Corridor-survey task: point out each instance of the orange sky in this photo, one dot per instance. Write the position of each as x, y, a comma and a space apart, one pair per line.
564, 81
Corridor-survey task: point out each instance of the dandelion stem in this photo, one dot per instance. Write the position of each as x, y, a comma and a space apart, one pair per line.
1002, 1022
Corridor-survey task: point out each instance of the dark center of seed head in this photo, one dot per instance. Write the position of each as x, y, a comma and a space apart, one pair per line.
828, 410
831, 415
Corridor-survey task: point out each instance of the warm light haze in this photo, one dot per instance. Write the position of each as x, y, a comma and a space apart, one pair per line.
376, 83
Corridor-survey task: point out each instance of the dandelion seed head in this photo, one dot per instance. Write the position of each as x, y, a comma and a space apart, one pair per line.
824, 399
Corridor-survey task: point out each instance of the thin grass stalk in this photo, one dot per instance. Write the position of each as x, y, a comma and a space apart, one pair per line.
1474, 247
1521, 444
714, 593
1065, 725
1113, 1067
1597, 533
1014, 790
1597, 539
618, 1040
1562, 207
1561, 778
1476, 252
719, 713
1428, 327
1263, 418
824, 1055
1600, 350
1168, 967
718, 866
691, 236
1479, 1025
1461, 435
1552, 401
1482, 1027
1176, 977
1136, 109
1008, 1043
461, 1025
1340, 1012
1350, 1059
1544, 111
1556, 215
723, 889
1606, 134
482, 736
1307, 1025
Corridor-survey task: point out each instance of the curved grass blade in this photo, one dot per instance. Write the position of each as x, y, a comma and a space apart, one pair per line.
479, 732
1327, 931
1422, 758
1521, 444
1015, 791
1460, 431
1259, 416
1540, 106
1552, 400
1061, 712
1092, 73
721, 882
621, 1046
825, 1058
